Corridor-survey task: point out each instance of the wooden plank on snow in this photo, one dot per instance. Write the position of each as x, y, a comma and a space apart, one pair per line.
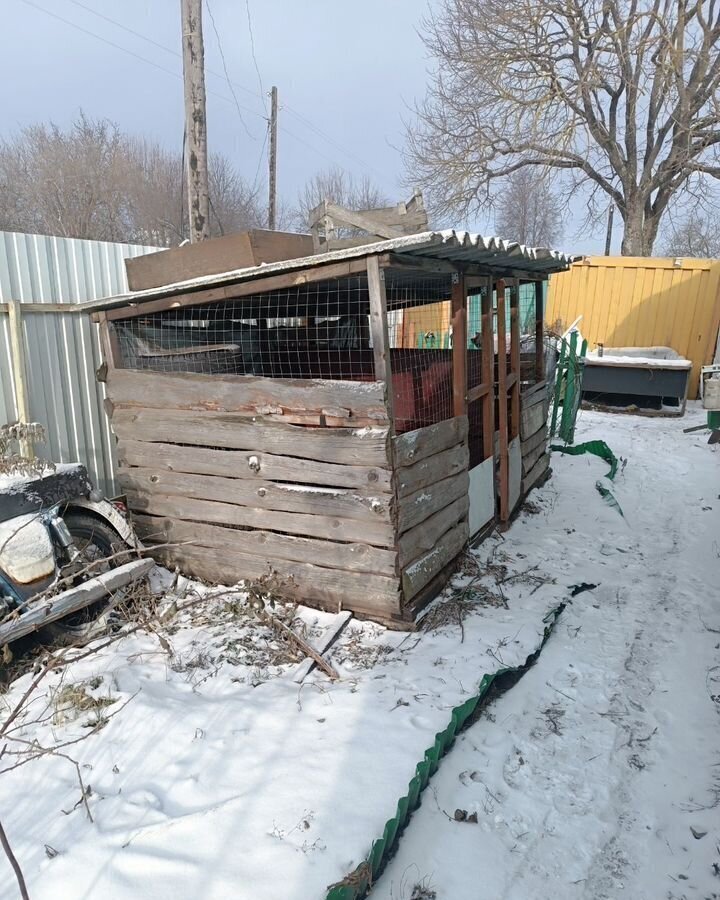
322, 645
91, 591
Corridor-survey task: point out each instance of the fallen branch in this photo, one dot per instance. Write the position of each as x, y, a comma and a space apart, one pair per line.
14, 863
331, 634
301, 644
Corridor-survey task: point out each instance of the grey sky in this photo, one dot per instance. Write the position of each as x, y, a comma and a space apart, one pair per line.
347, 68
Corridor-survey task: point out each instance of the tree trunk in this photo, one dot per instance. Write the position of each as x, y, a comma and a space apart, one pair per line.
639, 232
632, 242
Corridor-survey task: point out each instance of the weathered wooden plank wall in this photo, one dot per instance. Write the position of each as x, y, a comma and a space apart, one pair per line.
218, 467
431, 492
533, 435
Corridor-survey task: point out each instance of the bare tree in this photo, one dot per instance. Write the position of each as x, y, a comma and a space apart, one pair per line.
71, 183
621, 96
93, 181
696, 235
342, 188
234, 204
528, 211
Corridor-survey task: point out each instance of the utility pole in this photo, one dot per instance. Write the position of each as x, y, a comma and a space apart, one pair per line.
195, 120
608, 236
272, 199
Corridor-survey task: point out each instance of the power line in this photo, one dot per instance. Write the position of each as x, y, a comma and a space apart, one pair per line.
302, 119
123, 49
307, 123
252, 50
225, 68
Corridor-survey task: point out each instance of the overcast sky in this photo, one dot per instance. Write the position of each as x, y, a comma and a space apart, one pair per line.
347, 72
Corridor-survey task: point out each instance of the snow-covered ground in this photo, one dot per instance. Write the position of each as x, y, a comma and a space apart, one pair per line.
210, 773
598, 774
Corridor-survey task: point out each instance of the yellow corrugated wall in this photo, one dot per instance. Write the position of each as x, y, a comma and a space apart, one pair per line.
635, 301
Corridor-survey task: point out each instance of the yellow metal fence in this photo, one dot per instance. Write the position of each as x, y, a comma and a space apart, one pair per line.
629, 301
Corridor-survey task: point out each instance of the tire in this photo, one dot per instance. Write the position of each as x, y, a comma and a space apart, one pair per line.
95, 540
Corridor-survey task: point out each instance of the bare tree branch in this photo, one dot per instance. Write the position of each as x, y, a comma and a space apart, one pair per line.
14, 863
622, 96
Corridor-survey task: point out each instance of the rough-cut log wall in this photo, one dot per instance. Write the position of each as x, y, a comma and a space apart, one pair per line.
431, 490
533, 434
217, 466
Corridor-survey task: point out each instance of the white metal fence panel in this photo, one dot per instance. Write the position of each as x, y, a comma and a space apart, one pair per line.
62, 349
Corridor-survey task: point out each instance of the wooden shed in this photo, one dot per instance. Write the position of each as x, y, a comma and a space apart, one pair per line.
269, 417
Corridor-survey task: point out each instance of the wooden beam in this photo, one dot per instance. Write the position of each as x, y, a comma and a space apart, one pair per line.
504, 461
513, 382
539, 332
323, 644
488, 369
70, 601
247, 393
30, 307
362, 219
379, 329
459, 353
134, 307
19, 371
482, 390
109, 344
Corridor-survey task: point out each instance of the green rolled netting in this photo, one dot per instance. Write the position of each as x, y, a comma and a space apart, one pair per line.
601, 449
357, 883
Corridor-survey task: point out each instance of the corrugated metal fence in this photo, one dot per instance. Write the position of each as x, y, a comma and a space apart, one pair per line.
62, 350
628, 301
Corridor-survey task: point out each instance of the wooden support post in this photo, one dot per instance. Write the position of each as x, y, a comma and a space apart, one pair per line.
504, 461
379, 329
515, 358
19, 370
488, 369
459, 356
109, 343
539, 332
195, 120
272, 159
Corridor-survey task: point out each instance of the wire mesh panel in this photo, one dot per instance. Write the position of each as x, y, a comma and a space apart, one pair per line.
314, 331
420, 349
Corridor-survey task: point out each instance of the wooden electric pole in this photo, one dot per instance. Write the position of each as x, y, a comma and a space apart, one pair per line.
608, 234
272, 158
195, 120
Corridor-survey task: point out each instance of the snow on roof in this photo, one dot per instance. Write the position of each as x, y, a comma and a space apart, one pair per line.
494, 253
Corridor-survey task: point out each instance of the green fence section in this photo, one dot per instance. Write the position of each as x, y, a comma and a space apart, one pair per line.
357, 884
568, 388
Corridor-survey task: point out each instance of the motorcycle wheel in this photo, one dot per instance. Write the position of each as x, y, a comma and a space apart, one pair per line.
95, 540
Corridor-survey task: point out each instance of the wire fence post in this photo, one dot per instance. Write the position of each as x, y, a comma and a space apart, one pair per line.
19, 369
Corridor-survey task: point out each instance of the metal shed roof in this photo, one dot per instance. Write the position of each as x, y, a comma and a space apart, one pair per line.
493, 253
